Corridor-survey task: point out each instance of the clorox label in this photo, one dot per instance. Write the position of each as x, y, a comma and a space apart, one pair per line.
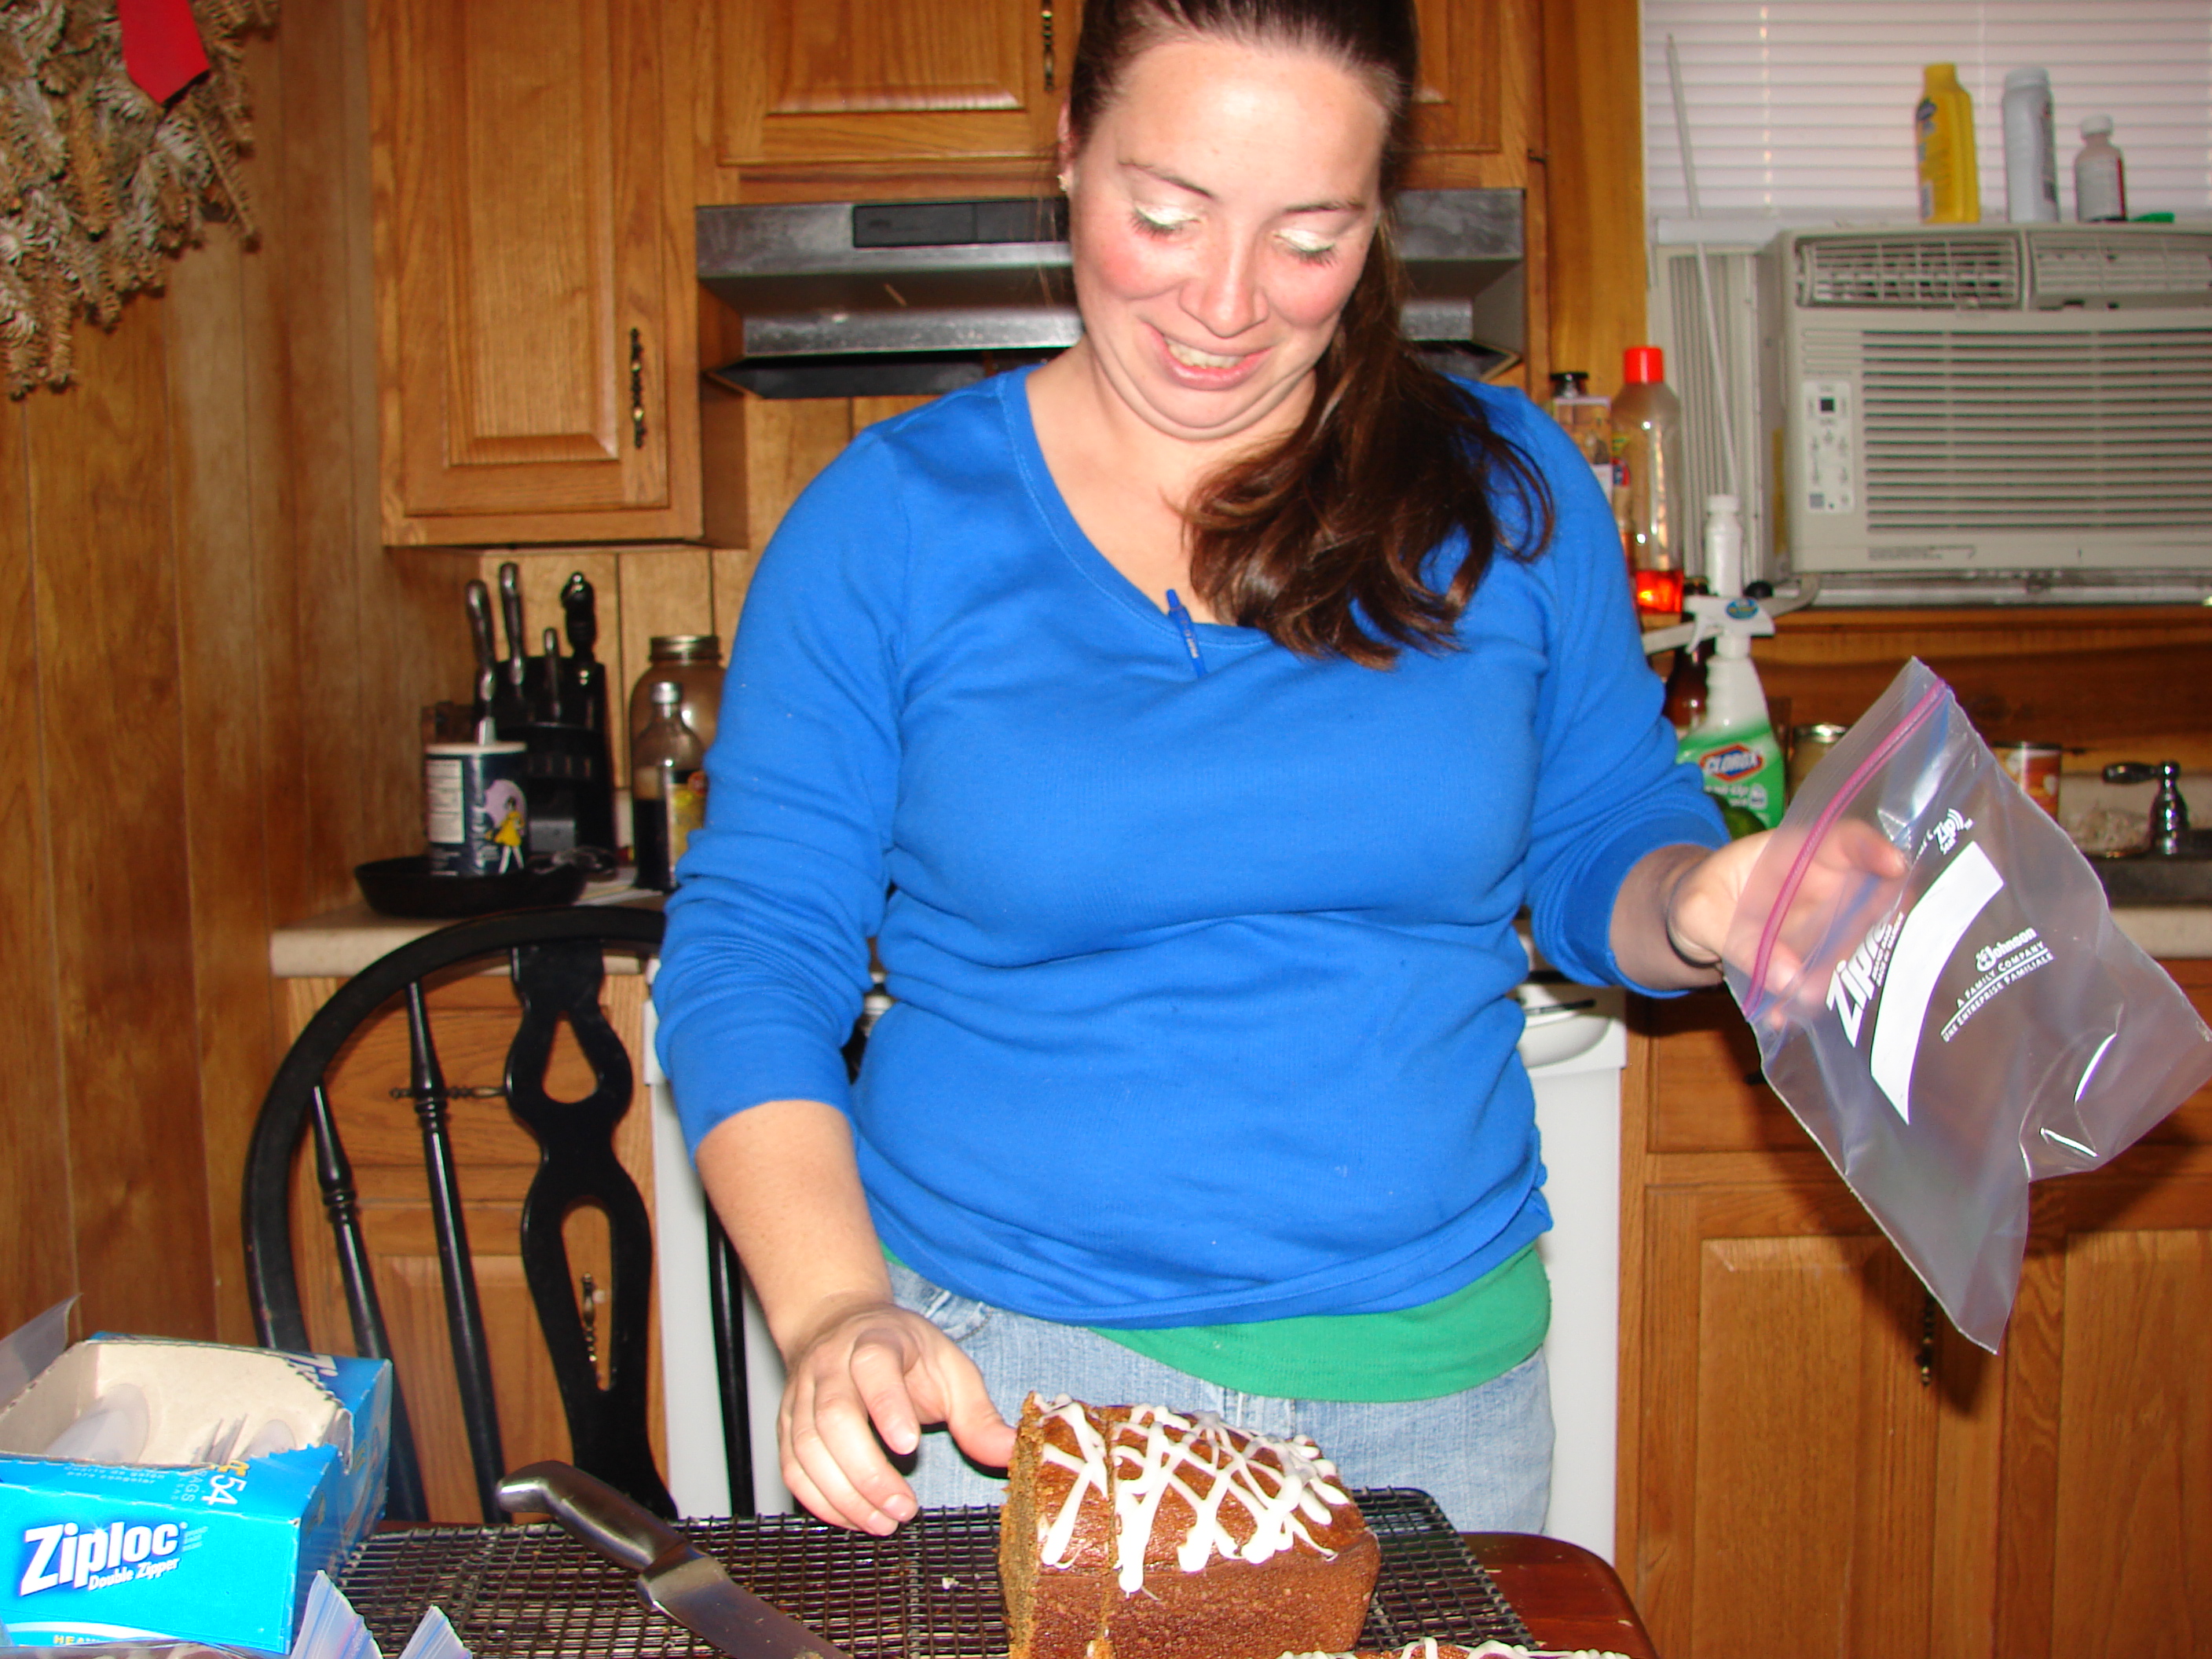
1732, 764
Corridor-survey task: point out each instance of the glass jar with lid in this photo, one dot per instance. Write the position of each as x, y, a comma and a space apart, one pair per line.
692, 661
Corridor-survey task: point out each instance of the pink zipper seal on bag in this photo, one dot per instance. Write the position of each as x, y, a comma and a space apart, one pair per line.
1913, 718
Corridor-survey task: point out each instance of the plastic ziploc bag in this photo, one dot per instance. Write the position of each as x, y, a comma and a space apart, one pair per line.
1951, 1033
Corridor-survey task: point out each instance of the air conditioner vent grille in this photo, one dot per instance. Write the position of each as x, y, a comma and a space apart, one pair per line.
1922, 273
2094, 269
2093, 430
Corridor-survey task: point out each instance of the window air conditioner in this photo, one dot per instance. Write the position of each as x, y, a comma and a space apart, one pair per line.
2011, 412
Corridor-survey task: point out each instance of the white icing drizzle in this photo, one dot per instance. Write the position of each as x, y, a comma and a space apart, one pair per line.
1279, 1485
1089, 1467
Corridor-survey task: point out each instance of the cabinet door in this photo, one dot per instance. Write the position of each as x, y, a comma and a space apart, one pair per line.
2107, 1529
809, 83
536, 324
1787, 1488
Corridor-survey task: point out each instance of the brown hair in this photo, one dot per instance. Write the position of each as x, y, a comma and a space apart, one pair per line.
1321, 540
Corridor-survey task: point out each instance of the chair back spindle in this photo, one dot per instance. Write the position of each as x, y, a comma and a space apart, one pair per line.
341, 1207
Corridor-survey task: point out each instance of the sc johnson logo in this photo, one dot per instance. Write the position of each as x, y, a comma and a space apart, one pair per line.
96, 1557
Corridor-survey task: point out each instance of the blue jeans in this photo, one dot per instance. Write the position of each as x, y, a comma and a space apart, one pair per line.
1483, 1454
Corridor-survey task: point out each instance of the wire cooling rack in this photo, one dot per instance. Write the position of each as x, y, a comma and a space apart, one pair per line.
929, 1591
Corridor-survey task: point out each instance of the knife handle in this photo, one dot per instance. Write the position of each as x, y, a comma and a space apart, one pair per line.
480, 629
580, 605
510, 606
593, 1511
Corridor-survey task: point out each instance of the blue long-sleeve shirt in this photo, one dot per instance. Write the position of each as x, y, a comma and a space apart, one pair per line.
1203, 980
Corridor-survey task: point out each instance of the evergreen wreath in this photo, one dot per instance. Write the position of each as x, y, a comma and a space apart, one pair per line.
99, 184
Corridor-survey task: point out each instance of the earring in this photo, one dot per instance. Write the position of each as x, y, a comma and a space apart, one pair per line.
1063, 184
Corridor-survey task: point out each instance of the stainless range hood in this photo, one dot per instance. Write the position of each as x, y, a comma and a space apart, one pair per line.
845, 299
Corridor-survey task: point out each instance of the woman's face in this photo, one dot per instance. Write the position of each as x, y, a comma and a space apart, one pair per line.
1219, 216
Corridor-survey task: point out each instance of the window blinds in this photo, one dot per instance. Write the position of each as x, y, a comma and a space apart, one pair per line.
1803, 109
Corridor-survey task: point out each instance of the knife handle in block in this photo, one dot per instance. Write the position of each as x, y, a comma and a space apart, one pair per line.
593, 1511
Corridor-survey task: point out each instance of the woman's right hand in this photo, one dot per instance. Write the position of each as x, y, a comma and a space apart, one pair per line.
870, 1374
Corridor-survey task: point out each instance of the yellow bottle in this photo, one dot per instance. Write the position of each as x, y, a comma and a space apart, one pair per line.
1943, 128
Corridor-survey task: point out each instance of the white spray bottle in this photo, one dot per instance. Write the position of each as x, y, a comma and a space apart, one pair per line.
1733, 745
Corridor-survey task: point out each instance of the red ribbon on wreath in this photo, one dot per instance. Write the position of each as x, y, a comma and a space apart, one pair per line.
162, 49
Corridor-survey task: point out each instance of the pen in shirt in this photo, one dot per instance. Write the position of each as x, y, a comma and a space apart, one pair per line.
1181, 620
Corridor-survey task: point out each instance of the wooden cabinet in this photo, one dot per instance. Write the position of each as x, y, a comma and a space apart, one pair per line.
1815, 1462
890, 88
535, 292
800, 85
474, 1019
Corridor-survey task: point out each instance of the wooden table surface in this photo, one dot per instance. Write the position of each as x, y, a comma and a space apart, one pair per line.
1568, 1597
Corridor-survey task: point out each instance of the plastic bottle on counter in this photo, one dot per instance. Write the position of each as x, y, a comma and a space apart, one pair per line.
693, 663
1943, 134
668, 786
2100, 174
1587, 419
1647, 460
2031, 148
1734, 747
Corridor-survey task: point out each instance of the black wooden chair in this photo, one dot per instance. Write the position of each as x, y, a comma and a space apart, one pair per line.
557, 961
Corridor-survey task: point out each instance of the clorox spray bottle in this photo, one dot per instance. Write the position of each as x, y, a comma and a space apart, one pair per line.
1733, 745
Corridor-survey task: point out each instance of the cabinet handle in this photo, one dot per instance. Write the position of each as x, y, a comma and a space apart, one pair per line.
1044, 13
636, 389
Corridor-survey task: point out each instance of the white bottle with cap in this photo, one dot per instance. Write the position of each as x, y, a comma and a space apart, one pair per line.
1733, 746
2031, 148
2100, 178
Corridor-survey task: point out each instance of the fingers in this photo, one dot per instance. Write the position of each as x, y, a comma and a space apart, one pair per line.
833, 1461
977, 1428
874, 1379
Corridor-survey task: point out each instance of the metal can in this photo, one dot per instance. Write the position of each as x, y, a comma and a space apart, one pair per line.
1808, 744
476, 819
2034, 766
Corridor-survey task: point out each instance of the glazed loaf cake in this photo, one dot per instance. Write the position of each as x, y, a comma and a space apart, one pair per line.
1131, 1531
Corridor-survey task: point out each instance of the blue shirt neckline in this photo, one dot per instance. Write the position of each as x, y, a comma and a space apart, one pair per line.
1070, 536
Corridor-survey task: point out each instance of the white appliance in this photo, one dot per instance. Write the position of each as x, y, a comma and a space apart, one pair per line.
1947, 413
1575, 1046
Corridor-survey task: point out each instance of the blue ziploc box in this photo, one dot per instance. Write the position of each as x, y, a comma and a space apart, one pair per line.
208, 1534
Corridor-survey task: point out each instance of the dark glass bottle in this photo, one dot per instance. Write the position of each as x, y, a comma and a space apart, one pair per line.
667, 787
1686, 690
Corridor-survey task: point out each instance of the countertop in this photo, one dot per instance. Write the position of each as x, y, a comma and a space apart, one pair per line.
2171, 931
339, 944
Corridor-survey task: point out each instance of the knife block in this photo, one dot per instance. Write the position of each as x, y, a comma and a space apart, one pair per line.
568, 778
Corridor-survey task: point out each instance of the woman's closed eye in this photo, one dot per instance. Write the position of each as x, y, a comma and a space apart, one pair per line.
1161, 221
1308, 245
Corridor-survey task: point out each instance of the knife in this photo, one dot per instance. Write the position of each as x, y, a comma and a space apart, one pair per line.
510, 607
672, 1577
585, 681
479, 604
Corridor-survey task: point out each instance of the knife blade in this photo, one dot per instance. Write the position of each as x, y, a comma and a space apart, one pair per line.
510, 607
672, 1577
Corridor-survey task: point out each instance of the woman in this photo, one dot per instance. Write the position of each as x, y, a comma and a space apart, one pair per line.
1210, 700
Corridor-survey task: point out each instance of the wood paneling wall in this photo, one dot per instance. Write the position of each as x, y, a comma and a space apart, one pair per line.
208, 675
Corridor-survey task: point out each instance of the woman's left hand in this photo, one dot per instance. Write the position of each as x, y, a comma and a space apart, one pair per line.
1673, 918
